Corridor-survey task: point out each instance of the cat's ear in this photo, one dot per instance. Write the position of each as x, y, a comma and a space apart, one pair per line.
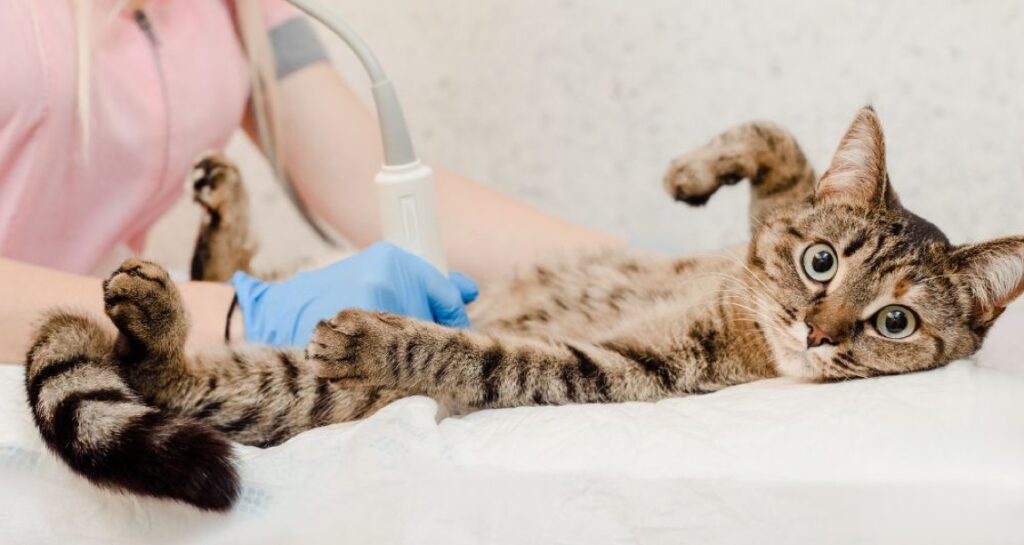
994, 271
858, 175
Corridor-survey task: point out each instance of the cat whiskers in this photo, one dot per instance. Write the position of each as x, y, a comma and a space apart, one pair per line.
750, 273
759, 315
749, 294
747, 288
740, 294
741, 263
842, 370
847, 361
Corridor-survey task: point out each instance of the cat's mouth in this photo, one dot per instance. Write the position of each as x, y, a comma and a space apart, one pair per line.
792, 356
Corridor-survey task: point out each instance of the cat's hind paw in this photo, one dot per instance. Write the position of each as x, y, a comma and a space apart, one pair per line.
144, 304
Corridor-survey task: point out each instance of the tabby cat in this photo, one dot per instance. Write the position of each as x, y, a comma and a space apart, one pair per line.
839, 281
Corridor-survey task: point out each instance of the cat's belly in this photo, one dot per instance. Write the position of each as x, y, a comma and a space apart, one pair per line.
595, 294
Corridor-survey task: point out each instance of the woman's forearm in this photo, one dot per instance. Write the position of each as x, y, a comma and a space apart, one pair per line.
332, 151
27, 291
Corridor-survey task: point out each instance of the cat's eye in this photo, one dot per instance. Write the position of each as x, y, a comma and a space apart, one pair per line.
820, 262
896, 322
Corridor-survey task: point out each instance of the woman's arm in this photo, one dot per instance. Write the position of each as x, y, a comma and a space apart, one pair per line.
26, 291
333, 150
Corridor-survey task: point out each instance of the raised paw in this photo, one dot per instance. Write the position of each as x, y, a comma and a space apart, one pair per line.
694, 177
223, 244
144, 304
216, 183
359, 346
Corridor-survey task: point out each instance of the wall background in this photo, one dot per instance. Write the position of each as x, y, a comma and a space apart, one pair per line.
577, 105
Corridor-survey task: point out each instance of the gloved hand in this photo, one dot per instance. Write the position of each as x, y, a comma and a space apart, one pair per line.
381, 277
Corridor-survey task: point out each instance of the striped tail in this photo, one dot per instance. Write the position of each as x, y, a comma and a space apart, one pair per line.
91, 418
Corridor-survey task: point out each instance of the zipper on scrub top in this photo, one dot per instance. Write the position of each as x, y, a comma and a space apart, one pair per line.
146, 26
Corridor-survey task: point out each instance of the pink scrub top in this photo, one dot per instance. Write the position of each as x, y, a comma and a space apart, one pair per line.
158, 100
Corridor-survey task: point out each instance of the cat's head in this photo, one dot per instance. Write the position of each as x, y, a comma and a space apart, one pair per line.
856, 285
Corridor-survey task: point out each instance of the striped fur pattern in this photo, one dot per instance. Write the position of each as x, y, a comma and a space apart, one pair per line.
135, 411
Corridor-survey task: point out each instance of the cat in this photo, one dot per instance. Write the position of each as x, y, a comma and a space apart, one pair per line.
839, 281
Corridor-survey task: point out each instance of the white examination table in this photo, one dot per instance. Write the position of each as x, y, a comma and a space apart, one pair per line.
934, 458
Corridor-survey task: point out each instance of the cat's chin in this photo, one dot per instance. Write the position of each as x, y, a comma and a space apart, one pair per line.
796, 364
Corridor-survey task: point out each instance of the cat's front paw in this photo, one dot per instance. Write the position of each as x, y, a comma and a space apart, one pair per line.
357, 345
216, 184
693, 178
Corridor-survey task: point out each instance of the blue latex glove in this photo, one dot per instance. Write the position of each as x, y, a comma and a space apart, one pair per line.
381, 277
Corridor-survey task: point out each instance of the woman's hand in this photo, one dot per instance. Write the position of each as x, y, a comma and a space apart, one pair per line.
381, 277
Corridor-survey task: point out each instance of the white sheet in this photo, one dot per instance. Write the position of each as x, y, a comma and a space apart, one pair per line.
933, 458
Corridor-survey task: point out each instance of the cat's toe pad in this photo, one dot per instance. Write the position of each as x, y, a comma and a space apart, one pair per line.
353, 345
135, 277
140, 295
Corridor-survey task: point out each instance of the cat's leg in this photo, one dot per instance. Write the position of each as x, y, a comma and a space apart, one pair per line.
467, 370
103, 423
762, 152
233, 390
255, 395
224, 244
144, 304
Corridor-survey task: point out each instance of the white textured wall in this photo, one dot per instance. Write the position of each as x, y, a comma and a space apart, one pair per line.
577, 105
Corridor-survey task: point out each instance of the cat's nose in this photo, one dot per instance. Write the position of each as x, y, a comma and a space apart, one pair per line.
817, 336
